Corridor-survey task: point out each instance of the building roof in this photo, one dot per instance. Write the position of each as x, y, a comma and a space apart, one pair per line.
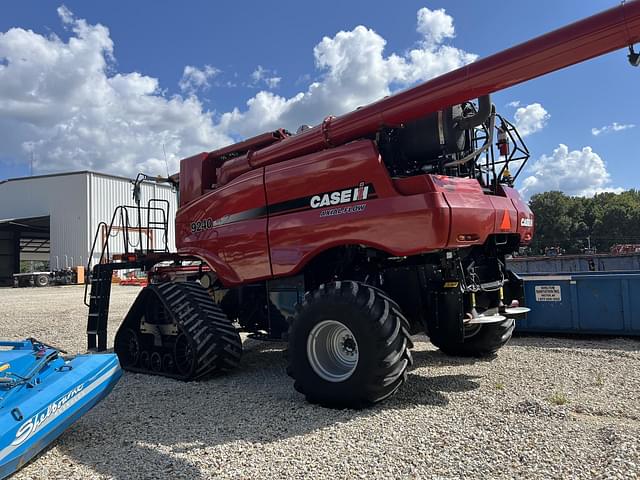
39, 222
62, 174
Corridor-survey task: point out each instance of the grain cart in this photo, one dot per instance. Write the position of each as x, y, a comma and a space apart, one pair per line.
346, 238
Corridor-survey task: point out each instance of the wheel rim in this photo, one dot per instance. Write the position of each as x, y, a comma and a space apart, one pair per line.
183, 355
332, 351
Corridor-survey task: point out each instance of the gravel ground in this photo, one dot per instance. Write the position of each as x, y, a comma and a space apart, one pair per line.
543, 408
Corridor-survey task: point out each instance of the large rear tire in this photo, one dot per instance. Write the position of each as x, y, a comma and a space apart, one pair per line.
348, 346
480, 340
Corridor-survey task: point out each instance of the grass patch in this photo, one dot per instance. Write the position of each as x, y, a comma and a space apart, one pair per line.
599, 380
559, 398
499, 386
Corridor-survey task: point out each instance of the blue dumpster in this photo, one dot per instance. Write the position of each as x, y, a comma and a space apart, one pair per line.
587, 302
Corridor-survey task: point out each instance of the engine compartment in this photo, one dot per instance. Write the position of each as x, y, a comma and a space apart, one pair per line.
463, 140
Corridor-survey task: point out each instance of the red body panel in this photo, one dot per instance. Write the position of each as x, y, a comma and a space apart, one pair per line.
193, 175
389, 222
232, 241
262, 224
524, 214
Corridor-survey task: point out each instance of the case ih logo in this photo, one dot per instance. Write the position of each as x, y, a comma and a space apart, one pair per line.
339, 197
526, 222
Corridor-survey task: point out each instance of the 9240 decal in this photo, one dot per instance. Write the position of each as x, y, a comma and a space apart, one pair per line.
204, 224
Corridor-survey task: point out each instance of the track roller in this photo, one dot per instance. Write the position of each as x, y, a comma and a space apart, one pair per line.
156, 362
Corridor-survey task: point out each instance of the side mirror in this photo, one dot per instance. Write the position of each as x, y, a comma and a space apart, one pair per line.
634, 58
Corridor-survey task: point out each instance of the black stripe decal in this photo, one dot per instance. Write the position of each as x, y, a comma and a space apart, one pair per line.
208, 223
302, 203
282, 208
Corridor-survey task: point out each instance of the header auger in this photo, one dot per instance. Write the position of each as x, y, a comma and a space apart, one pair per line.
348, 237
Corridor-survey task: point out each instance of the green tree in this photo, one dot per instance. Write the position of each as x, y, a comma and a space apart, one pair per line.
555, 220
567, 222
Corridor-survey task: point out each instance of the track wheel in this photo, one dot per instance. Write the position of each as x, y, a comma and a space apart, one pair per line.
145, 360
167, 363
156, 362
480, 340
128, 346
183, 355
348, 346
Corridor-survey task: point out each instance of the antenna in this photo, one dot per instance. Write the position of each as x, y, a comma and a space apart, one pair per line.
166, 164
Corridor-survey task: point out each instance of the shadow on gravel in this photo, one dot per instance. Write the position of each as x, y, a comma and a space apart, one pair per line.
152, 427
421, 390
435, 358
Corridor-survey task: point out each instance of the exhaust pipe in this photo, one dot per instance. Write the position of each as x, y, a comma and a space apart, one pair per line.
478, 118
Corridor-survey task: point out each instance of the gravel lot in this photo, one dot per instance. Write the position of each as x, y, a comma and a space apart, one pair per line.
545, 407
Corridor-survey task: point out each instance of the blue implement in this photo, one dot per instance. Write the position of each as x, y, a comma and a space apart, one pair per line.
42, 394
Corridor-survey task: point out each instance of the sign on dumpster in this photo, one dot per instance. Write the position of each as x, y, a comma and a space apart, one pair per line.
548, 293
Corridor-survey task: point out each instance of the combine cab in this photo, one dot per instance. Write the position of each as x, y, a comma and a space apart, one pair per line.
347, 238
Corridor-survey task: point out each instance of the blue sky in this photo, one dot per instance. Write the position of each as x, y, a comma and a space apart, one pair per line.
156, 40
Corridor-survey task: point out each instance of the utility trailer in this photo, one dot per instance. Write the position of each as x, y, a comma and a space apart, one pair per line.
67, 276
347, 238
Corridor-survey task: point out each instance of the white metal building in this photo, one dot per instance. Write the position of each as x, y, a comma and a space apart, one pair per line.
55, 217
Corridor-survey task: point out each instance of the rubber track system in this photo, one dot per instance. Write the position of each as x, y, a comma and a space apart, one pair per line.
196, 338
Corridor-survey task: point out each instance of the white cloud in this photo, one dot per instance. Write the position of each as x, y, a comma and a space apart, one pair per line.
194, 78
530, 119
614, 127
273, 82
354, 72
580, 173
66, 101
264, 75
514, 104
435, 25
65, 15
258, 74
60, 100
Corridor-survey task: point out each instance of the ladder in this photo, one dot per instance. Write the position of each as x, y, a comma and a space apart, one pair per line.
99, 307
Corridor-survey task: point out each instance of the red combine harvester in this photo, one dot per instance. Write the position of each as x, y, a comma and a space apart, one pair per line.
347, 238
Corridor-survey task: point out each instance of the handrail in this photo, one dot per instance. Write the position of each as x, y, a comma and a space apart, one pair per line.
121, 213
164, 222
